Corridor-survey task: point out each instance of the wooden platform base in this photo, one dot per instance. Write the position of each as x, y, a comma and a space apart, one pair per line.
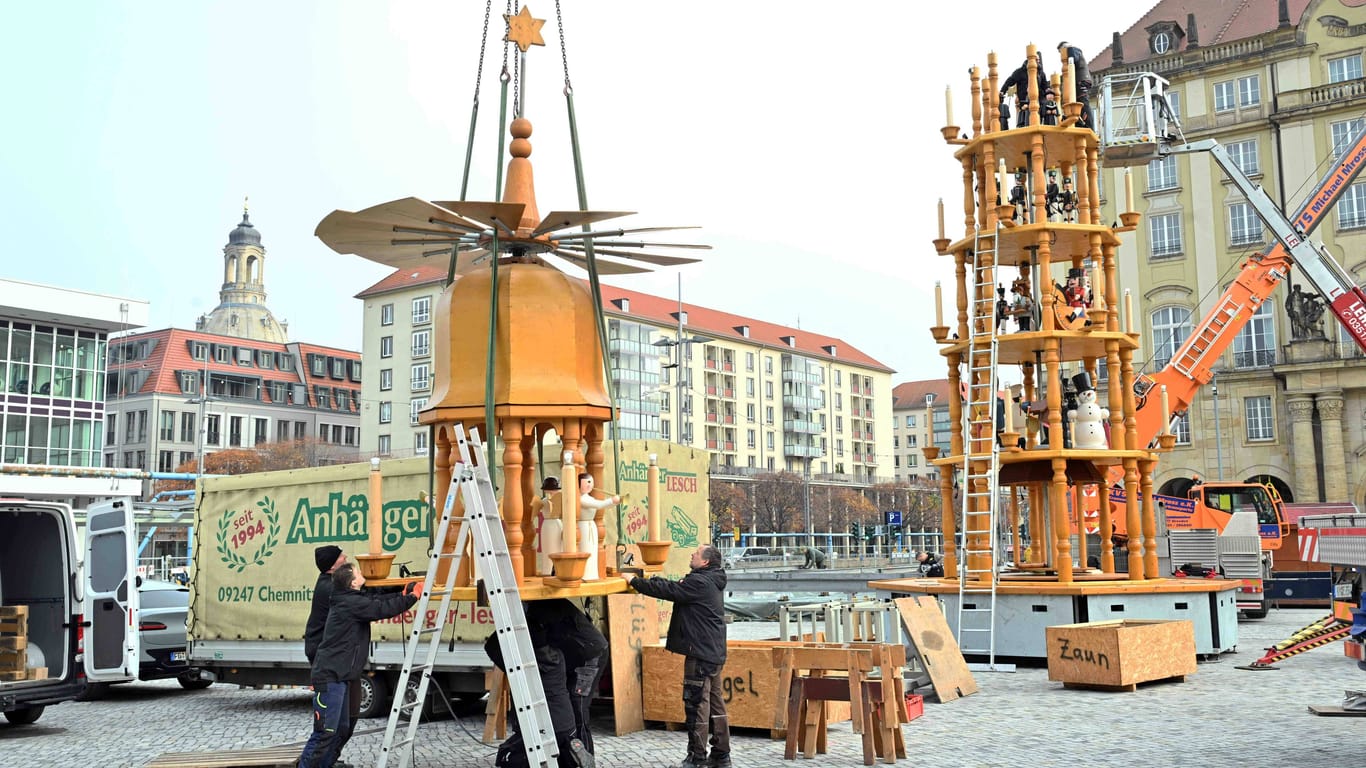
268, 757
1131, 687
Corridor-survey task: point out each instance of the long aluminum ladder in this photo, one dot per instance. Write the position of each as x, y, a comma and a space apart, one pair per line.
481, 520
981, 462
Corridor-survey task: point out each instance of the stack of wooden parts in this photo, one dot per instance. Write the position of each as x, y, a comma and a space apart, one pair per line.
867, 675
14, 646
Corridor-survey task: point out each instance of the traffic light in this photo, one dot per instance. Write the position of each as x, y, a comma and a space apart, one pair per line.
854, 529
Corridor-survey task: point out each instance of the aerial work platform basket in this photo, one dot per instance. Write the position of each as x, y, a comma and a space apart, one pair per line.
1136, 121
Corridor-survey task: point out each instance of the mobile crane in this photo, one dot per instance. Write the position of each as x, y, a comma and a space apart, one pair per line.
1137, 126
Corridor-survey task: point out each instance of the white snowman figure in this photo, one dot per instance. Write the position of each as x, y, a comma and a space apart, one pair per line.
1088, 419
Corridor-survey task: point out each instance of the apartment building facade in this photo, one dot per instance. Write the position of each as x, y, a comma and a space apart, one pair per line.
1280, 85
920, 417
760, 397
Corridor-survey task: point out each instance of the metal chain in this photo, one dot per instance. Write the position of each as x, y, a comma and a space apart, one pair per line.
517, 69
483, 42
506, 42
564, 57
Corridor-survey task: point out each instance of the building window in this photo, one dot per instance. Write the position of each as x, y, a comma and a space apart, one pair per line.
749, 361
749, 387
1165, 231
1257, 413
166, 425
187, 427
211, 431
768, 390
1171, 326
750, 439
165, 461
386, 412
768, 440
221, 353
386, 314
1244, 228
1343, 132
199, 351
1244, 155
417, 404
1345, 68
235, 431
386, 346
1162, 173
351, 434
839, 425
317, 365
749, 412
323, 397
383, 447
111, 429
142, 426
422, 343
1174, 101
420, 377
1223, 96
420, 443
768, 414
422, 310
260, 431
1352, 207
664, 402
1181, 427
386, 379
1250, 91
910, 421
1255, 344
768, 365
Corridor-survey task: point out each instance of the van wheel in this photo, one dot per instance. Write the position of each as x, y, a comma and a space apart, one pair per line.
93, 692
25, 716
190, 682
374, 696
428, 708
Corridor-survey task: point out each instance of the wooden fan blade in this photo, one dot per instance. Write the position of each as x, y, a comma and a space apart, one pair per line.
566, 219
503, 216
371, 233
639, 244
650, 258
616, 232
605, 266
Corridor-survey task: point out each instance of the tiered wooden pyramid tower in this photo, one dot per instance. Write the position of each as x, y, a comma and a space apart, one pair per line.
1057, 259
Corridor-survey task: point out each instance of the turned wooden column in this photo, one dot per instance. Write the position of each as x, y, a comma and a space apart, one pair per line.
513, 511
595, 458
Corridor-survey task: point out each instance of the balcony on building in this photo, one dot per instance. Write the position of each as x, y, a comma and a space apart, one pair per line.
801, 449
802, 426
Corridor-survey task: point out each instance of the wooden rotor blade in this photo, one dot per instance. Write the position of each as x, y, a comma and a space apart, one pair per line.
616, 232
639, 244
377, 233
605, 266
565, 219
649, 258
503, 216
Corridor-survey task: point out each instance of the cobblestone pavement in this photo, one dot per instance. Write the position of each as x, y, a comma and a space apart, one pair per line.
1221, 716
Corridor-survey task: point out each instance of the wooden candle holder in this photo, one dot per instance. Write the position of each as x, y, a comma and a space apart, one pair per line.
1129, 219
940, 332
569, 568
374, 567
654, 553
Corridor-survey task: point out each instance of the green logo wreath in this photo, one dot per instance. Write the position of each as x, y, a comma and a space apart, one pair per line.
238, 562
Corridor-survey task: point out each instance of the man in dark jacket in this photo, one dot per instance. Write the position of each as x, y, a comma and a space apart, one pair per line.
341, 658
930, 565
697, 632
1083, 78
328, 558
1019, 80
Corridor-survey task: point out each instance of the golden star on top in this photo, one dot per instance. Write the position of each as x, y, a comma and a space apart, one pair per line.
524, 30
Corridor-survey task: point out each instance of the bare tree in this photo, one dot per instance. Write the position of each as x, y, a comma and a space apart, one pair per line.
728, 503
778, 503
234, 461
297, 454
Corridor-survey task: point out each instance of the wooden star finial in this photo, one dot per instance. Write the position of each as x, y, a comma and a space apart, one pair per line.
524, 30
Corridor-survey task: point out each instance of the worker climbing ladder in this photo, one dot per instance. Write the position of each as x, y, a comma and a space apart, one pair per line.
480, 521
978, 571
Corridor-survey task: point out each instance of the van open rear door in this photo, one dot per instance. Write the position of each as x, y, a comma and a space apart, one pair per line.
111, 595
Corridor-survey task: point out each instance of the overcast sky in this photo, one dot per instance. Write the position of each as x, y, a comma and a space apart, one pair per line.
802, 137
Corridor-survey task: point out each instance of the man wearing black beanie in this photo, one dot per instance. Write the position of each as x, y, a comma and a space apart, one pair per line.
328, 558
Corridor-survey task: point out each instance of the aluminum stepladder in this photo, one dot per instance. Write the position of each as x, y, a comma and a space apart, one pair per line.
481, 520
981, 462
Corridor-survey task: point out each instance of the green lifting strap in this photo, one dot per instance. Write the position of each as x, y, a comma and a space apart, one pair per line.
596, 288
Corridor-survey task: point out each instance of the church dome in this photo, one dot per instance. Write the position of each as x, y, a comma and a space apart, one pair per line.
245, 233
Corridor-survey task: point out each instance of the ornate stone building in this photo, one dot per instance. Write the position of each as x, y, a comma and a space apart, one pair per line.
1279, 84
241, 309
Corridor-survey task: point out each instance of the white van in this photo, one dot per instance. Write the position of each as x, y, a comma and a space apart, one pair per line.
61, 625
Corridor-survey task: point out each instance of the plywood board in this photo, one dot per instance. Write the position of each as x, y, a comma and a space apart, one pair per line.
230, 758
936, 647
1120, 653
632, 622
749, 686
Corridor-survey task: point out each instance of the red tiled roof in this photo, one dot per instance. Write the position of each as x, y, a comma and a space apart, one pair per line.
169, 353
425, 274
911, 394
723, 325
1216, 22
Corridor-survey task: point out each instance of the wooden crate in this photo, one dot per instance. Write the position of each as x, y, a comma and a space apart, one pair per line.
749, 685
13, 642
1120, 654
